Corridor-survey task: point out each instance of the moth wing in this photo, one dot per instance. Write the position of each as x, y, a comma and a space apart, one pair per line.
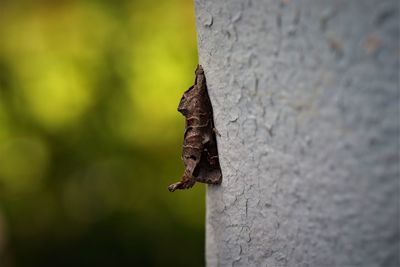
207, 173
182, 104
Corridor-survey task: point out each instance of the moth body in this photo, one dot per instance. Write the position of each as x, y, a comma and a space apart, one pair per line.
199, 153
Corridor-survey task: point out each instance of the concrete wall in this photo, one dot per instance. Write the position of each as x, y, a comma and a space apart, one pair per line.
306, 98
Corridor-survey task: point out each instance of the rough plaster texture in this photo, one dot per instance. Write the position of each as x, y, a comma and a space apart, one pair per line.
306, 98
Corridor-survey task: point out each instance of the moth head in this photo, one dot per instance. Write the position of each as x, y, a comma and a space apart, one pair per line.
199, 70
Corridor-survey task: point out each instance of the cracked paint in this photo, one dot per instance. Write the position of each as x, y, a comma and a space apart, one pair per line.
305, 95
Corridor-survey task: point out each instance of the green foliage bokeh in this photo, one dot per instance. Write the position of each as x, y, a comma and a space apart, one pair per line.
90, 136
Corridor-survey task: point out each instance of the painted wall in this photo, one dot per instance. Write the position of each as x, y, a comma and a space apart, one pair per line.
306, 98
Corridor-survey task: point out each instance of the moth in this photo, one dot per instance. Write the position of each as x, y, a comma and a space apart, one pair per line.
200, 153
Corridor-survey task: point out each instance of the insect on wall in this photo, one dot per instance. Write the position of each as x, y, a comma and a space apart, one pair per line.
200, 152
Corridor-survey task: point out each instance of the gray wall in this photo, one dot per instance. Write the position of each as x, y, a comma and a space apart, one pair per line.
306, 98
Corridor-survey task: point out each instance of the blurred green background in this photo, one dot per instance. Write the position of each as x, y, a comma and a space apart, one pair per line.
90, 137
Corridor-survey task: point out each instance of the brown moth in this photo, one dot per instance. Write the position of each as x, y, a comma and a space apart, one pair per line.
200, 154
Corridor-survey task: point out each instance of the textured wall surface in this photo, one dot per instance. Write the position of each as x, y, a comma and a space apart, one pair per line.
306, 98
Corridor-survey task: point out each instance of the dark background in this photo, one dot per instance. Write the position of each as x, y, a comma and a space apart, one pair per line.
90, 137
